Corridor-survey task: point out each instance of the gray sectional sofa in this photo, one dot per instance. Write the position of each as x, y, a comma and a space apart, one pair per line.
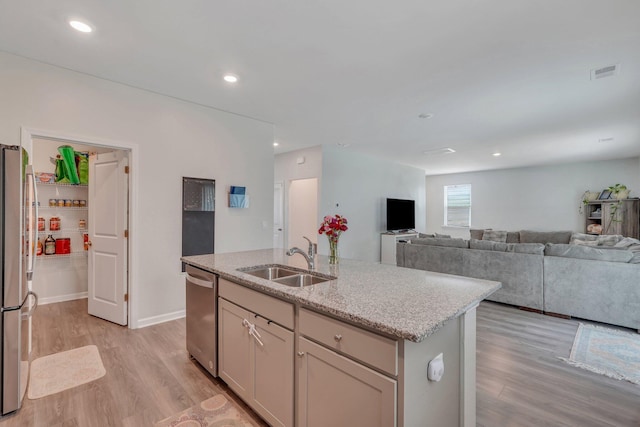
572, 274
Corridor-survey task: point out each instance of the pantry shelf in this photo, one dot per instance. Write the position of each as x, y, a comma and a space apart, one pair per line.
59, 256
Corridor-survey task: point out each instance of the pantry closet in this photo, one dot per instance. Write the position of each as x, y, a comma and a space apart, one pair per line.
62, 266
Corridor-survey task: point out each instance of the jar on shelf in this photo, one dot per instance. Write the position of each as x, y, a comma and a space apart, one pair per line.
82, 224
40, 223
54, 223
68, 203
40, 247
61, 203
50, 245
53, 203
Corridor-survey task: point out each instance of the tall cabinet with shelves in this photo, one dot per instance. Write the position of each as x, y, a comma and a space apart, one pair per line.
612, 216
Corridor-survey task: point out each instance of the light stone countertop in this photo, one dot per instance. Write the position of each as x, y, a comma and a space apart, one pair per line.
402, 302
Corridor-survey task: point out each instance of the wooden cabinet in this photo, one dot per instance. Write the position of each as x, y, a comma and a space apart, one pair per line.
613, 217
327, 379
255, 353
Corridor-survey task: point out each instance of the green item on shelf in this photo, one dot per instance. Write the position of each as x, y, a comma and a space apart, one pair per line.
25, 162
69, 161
61, 176
83, 166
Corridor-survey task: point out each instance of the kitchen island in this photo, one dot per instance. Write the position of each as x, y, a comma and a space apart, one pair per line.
353, 350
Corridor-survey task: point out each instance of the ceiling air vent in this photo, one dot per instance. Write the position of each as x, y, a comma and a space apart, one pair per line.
608, 71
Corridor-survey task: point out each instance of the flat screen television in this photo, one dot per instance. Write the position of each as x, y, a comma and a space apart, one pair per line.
401, 214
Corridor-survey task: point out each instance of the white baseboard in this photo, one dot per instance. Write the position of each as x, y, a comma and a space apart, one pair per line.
154, 320
62, 298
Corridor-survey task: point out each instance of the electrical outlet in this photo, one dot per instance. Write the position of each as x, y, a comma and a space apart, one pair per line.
435, 370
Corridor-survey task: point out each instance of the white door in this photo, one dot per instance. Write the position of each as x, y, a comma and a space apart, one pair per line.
278, 215
108, 213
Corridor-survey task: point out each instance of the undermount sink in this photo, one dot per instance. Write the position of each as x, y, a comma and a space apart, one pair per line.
269, 273
300, 280
286, 276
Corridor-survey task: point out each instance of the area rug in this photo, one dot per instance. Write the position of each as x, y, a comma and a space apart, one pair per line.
62, 371
605, 351
217, 411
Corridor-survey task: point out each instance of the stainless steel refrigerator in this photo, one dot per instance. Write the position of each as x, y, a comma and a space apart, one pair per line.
18, 241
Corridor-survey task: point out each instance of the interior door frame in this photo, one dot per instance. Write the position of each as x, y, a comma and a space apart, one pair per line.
26, 136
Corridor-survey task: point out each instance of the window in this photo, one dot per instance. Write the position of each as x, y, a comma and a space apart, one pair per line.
457, 205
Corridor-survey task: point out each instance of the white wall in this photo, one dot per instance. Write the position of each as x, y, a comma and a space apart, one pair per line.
357, 186
174, 139
535, 198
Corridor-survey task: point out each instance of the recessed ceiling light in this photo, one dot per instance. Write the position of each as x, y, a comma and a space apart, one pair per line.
275, 144
426, 115
230, 78
80, 26
496, 154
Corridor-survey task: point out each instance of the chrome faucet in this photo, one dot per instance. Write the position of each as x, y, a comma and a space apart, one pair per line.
309, 256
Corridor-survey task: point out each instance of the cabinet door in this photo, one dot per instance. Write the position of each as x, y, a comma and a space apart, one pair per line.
273, 373
234, 348
336, 391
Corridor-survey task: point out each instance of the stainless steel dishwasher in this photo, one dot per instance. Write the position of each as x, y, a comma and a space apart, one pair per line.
202, 336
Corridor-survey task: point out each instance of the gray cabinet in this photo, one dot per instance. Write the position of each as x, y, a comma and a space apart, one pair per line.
340, 367
334, 390
255, 353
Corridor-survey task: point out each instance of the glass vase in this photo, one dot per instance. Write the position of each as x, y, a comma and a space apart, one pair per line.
333, 252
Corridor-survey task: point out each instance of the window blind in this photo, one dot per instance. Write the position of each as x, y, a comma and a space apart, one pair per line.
457, 205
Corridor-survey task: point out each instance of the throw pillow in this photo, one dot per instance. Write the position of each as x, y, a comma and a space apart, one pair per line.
495, 236
424, 236
582, 238
442, 236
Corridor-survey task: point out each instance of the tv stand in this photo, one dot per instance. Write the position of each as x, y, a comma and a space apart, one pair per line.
388, 242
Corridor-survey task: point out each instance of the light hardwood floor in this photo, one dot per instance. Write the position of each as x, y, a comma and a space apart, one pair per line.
521, 381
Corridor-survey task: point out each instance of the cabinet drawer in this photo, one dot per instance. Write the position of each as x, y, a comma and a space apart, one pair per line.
373, 349
266, 306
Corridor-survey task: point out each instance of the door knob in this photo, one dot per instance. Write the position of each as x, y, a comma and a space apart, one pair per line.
300, 353
89, 243
338, 338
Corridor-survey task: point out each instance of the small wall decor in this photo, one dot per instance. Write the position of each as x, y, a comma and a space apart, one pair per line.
238, 197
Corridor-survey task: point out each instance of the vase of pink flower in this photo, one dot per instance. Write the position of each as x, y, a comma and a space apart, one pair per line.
332, 227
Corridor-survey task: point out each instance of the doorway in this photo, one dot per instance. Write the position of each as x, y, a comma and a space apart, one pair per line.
69, 276
303, 212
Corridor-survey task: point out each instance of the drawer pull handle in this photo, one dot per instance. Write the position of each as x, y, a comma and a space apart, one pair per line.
338, 338
300, 353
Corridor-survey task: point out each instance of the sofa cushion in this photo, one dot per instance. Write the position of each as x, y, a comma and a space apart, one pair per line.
526, 248
595, 239
632, 245
435, 241
487, 245
513, 237
424, 236
528, 236
587, 252
476, 233
495, 235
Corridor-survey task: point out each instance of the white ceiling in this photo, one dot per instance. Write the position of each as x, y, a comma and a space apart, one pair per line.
499, 75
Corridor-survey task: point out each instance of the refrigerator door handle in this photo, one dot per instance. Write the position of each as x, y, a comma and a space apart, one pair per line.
33, 220
35, 303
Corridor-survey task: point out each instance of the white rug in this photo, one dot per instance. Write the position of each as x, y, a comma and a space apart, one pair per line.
62, 371
606, 351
